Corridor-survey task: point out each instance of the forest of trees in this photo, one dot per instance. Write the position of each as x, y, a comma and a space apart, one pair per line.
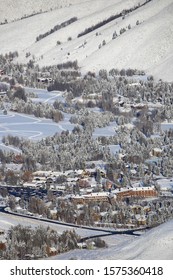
107, 87
136, 106
37, 243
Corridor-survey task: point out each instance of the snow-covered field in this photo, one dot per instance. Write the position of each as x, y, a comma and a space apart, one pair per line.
44, 96
13, 10
30, 127
147, 46
105, 131
33, 128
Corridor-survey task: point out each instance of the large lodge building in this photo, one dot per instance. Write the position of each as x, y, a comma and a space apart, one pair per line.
140, 192
118, 194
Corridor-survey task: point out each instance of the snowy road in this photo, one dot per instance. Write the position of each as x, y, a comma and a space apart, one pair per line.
91, 231
7, 220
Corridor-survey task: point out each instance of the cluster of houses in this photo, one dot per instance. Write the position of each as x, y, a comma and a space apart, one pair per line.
44, 80
84, 186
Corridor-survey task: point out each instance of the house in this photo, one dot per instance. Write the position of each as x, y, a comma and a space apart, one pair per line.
140, 192
141, 220
82, 183
44, 80
51, 251
50, 180
95, 197
144, 192
60, 188
82, 245
40, 180
41, 173
2, 232
157, 152
122, 193
136, 209
77, 199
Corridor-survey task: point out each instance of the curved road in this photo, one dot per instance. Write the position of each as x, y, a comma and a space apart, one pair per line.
85, 232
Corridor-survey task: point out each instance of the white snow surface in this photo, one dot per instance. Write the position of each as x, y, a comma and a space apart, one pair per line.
28, 126
156, 244
147, 46
15, 9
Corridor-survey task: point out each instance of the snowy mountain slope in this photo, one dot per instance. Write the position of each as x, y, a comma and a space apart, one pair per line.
13, 10
22, 34
147, 46
156, 244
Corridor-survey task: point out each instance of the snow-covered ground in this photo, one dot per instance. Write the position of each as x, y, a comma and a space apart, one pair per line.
13, 10
105, 131
166, 126
165, 184
114, 149
44, 96
30, 127
156, 244
147, 46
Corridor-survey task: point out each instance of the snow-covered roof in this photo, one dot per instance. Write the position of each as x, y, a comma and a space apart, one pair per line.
165, 184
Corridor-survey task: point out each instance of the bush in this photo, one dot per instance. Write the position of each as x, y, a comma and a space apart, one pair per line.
99, 243
20, 93
122, 30
114, 35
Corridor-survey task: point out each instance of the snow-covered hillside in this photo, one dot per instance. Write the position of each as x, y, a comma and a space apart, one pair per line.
14, 10
156, 244
146, 44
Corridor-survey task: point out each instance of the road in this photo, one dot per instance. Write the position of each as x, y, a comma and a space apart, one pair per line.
7, 220
86, 232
